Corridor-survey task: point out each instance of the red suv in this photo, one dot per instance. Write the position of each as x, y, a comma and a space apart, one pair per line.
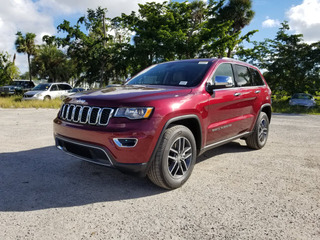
165, 116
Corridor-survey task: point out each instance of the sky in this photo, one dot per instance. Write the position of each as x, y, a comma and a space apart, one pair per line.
43, 16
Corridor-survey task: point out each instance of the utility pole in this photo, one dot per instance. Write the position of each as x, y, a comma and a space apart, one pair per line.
104, 46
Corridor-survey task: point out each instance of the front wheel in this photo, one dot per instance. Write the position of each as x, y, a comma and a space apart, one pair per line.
175, 158
259, 136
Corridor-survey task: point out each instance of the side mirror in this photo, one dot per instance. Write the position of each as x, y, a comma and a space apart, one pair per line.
219, 82
223, 82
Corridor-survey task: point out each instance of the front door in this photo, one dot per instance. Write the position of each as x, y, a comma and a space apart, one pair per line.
225, 108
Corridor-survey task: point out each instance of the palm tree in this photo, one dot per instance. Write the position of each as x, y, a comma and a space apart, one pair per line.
26, 44
240, 12
52, 64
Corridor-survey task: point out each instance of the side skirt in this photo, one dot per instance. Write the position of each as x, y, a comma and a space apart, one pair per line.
217, 144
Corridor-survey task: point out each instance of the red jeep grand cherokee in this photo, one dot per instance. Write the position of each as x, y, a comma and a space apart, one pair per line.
165, 116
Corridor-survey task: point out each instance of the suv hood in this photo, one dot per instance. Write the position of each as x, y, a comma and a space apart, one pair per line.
129, 94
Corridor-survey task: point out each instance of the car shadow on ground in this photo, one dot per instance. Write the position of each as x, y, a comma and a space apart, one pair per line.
232, 147
47, 178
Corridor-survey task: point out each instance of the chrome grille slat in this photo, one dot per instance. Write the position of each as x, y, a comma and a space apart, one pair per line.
93, 119
85, 114
104, 116
70, 112
77, 113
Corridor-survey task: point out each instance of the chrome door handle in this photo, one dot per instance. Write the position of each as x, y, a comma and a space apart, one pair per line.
258, 91
237, 94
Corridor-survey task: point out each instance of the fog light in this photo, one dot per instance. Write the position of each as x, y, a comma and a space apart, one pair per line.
126, 142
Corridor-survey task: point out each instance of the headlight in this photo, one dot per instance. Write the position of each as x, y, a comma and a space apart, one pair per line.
134, 113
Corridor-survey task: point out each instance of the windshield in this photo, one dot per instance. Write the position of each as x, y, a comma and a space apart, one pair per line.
301, 96
14, 83
184, 73
42, 86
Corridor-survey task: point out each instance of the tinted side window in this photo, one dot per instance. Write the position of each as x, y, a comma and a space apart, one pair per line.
28, 84
244, 76
64, 87
224, 69
54, 88
257, 80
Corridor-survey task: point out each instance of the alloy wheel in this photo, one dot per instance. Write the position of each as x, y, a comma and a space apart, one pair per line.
179, 158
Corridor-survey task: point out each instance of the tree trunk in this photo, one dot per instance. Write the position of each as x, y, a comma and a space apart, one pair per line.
30, 76
229, 53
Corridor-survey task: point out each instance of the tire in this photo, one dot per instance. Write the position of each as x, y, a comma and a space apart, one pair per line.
260, 133
175, 158
46, 98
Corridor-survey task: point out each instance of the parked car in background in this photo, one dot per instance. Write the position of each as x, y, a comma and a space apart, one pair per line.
302, 99
17, 87
47, 91
72, 92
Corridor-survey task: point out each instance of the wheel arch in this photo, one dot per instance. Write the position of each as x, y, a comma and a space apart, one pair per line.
47, 97
190, 121
266, 108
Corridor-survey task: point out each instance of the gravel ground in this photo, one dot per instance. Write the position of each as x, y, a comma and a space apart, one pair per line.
233, 193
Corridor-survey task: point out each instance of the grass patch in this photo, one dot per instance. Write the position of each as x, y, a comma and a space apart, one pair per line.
16, 102
281, 105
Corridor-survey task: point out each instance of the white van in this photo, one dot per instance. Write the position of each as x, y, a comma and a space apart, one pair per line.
47, 91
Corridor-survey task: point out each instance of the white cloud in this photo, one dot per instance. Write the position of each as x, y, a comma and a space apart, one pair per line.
305, 19
24, 16
270, 23
38, 17
115, 8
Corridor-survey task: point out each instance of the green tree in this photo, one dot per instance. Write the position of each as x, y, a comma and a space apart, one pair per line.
164, 31
161, 32
291, 65
170, 31
224, 26
95, 53
52, 64
8, 70
26, 44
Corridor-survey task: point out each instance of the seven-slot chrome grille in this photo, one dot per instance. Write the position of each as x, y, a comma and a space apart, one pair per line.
85, 114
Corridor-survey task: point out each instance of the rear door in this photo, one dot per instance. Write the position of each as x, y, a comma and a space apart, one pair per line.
249, 96
261, 90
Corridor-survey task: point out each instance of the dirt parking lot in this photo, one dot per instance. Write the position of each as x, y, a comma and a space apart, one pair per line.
233, 193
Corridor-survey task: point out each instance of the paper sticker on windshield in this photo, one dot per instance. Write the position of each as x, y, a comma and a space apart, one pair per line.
202, 62
183, 83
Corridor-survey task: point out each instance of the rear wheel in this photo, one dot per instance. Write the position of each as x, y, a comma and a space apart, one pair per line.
47, 98
259, 136
175, 158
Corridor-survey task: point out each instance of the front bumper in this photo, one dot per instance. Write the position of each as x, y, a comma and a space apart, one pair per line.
32, 98
97, 155
97, 143
3, 92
